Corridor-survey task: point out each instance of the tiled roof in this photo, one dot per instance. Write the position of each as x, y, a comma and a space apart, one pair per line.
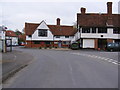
55, 29
10, 33
62, 30
97, 20
23, 37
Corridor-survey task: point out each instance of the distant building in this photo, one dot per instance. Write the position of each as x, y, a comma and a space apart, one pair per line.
43, 35
11, 37
95, 30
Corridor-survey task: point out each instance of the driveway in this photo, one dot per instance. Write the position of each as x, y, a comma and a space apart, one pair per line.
67, 69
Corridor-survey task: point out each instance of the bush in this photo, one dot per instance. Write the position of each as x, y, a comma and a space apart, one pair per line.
45, 47
40, 47
50, 47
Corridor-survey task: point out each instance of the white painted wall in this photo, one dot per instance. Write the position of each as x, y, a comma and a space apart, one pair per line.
62, 38
88, 43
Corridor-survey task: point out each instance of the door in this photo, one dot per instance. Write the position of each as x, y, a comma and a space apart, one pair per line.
88, 43
59, 44
102, 43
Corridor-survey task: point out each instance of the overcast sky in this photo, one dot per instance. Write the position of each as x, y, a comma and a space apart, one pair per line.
14, 14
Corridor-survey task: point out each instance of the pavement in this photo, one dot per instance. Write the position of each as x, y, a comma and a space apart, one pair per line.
67, 69
13, 61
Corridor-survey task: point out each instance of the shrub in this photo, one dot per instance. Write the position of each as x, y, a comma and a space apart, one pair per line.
45, 47
40, 47
50, 47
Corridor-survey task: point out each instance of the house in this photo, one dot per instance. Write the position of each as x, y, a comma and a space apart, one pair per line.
95, 30
11, 38
2, 39
43, 35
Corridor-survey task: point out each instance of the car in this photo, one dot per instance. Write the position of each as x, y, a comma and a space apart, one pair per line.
113, 47
74, 46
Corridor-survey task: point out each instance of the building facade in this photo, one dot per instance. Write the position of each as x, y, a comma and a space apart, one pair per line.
97, 29
11, 38
43, 35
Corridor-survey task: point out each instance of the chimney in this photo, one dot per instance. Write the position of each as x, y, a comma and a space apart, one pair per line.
109, 8
83, 10
58, 21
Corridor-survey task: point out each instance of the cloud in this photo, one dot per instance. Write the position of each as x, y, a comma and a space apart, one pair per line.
58, 0
14, 14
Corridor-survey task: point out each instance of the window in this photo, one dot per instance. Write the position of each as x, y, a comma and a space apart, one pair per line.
36, 42
116, 30
93, 30
57, 36
66, 36
47, 42
85, 30
29, 36
42, 32
66, 42
102, 30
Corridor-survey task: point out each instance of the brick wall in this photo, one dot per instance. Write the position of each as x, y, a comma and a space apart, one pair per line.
32, 44
96, 43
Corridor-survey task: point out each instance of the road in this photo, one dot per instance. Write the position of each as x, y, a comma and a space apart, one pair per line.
67, 69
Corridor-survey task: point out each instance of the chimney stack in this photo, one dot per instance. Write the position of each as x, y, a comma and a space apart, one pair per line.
109, 8
58, 21
83, 10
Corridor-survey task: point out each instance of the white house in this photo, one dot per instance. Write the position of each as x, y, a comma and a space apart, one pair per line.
11, 38
98, 29
43, 35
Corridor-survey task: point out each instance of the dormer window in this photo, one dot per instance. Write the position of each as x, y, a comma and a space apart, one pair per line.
29, 36
42, 32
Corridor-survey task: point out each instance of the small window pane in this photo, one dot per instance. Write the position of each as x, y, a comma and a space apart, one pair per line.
85, 30
66, 36
102, 30
93, 30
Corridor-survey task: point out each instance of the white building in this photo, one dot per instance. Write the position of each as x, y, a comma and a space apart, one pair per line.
98, 29
43, 35
11, 38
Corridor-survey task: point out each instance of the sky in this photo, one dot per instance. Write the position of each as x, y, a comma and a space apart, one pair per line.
14, 13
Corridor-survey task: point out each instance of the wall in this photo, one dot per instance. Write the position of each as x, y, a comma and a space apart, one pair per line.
62, 38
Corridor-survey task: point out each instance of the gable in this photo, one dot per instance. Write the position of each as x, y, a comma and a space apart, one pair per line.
42, 25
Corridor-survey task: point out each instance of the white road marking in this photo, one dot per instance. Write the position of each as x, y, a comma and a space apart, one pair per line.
98, 57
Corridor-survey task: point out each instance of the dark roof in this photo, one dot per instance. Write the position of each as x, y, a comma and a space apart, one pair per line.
30, 28
10, 33
55, 29
97, 20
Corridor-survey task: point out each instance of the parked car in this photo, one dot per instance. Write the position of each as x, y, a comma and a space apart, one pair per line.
74, 46
113, 47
